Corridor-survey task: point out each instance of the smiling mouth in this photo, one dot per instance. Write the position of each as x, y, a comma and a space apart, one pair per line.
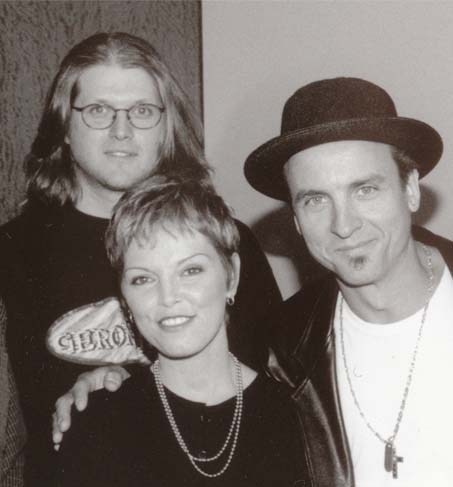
356, 247
119, 153
174, 321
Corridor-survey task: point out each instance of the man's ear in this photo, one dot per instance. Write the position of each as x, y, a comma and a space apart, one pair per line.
233, 278
413, 191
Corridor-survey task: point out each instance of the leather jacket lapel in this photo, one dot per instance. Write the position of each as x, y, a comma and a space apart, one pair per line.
317, 394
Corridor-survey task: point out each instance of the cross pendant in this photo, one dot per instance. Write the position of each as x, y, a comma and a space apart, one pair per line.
391, 459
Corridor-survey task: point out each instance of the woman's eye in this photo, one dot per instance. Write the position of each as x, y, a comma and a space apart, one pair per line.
140, 280
192, 271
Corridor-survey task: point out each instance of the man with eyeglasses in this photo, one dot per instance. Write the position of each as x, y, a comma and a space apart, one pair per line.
140, 116
114, 116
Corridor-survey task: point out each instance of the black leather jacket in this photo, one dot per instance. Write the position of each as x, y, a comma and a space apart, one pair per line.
302, 353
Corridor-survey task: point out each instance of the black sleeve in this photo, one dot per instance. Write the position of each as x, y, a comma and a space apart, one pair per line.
88, 456
257, 294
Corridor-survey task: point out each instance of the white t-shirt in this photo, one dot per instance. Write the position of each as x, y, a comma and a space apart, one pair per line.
378, 358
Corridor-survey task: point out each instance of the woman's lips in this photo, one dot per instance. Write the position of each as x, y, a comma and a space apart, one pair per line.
174, 321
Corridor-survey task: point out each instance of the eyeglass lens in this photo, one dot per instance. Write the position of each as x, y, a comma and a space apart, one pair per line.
142, 116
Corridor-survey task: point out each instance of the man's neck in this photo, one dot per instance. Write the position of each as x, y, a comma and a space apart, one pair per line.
97, 203
403, 292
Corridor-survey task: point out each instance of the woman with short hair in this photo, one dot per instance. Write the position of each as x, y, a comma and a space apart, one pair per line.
197, 416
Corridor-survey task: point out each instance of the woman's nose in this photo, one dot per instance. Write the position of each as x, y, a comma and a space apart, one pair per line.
169, 292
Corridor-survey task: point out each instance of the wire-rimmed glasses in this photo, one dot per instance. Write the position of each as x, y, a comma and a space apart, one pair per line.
101, 116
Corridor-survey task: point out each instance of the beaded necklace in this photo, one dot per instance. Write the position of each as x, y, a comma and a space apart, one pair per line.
233, 433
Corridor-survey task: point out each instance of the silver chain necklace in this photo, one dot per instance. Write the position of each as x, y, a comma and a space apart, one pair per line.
390, 457
233, 433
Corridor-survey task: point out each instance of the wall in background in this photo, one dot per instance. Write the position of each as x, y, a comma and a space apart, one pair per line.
257, 53
34, 37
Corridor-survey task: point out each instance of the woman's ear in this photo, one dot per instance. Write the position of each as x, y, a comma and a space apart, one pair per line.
233, 278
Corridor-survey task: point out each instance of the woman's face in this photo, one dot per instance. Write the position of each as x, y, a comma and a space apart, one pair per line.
176, 288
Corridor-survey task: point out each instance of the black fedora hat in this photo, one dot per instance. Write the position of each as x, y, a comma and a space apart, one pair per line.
338, 109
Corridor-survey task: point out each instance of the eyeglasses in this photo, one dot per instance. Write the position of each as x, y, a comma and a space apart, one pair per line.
141, 116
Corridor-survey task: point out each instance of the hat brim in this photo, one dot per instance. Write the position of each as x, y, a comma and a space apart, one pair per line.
264, 167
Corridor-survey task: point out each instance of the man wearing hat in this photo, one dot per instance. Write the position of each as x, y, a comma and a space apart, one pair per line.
368, 346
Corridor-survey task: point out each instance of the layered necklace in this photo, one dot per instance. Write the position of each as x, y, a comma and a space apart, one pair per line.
233, 433
391, 459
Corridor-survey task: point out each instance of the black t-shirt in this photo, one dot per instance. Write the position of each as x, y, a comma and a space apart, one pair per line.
124, 439
53, 260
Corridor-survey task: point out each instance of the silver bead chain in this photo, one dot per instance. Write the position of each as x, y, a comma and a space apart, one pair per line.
430, 290
233, 433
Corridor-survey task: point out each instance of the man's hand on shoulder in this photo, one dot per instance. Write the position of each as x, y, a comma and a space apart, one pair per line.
109, 377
